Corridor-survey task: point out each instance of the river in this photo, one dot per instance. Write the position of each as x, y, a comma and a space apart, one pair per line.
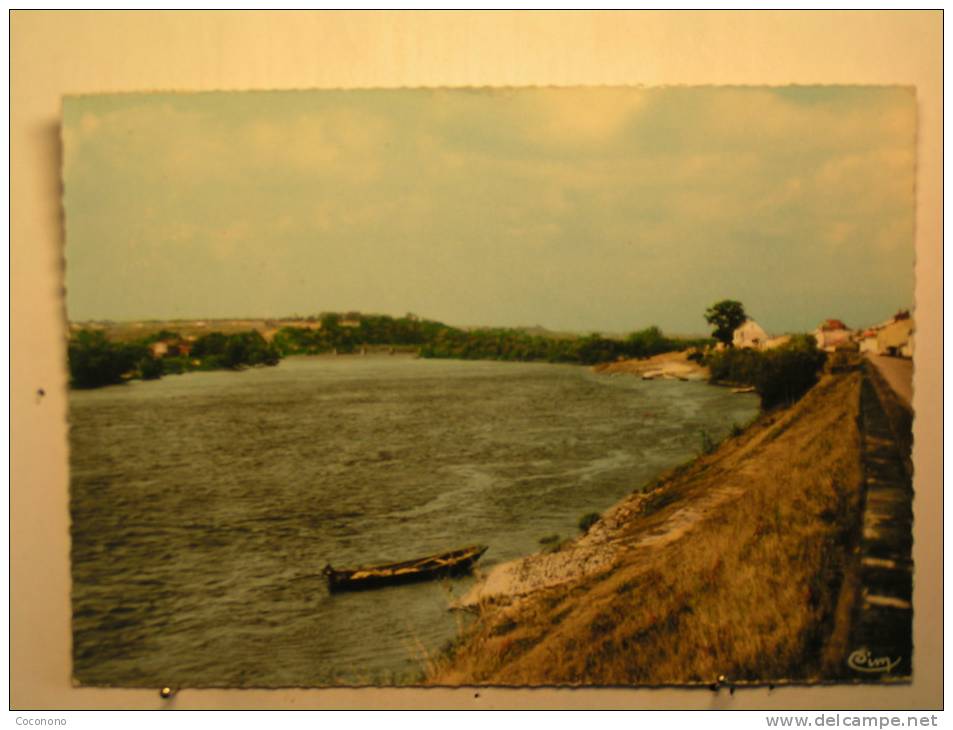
205, 505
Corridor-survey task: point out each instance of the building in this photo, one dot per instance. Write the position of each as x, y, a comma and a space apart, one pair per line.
749, 335
896, 338
867, 342
831, 333
171, 348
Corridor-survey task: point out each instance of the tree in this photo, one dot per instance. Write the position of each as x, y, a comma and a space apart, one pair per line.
790, 371
95, 361
726, 316
647, 342
330, 322
248, 348
150, 368
209, 345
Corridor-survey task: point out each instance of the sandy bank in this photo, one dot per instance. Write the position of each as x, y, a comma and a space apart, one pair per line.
667, 366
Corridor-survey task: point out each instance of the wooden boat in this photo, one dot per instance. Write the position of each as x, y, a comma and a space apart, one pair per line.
454, 562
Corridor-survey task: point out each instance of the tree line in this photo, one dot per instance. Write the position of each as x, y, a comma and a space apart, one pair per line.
95, 360
780, 375
432, 339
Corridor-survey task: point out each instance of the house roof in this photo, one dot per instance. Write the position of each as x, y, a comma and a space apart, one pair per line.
829, 325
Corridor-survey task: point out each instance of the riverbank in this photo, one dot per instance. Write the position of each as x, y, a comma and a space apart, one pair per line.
667, 366
349, 461
730, 565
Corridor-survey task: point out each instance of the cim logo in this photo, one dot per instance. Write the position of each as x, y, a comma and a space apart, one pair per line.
862, 661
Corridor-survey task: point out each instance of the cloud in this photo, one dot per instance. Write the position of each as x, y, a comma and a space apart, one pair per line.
624, 194
347, 144
583, 116
156, 140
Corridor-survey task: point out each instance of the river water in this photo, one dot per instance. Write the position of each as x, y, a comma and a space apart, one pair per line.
205, 505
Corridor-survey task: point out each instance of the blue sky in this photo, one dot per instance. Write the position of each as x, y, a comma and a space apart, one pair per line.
602, 209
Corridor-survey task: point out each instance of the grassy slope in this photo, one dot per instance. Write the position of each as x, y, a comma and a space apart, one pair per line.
749, 590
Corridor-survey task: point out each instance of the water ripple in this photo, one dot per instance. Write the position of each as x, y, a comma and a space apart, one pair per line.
205, 506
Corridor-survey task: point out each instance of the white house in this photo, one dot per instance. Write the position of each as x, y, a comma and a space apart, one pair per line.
750, 334
831, 333
897, 337
868, 341
892, 337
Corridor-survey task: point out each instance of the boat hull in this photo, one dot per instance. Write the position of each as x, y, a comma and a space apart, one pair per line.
454, 563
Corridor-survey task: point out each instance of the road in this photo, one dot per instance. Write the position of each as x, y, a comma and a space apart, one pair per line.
898, 372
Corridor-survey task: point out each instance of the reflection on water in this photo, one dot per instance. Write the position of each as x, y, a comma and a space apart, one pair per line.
205, 506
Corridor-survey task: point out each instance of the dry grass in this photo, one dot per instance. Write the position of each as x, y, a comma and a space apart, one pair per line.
748, 589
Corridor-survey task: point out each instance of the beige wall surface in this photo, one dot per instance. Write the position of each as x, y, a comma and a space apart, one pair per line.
57, 53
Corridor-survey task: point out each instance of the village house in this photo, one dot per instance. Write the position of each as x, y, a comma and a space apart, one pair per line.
867, 342
831, 333
896, 338
749, 335
171, 348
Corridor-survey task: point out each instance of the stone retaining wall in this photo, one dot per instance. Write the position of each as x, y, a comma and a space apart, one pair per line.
881, 634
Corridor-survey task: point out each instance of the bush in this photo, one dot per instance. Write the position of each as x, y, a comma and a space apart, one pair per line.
212, 344
595, 348
95, 361
648, 342
735, 367
789, 372
175, 365
217, 350
150, 368
588, 520
781, 376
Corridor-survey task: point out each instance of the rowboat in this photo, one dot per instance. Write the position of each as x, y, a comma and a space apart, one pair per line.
454, 562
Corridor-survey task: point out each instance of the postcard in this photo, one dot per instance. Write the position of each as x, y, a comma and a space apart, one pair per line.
578, 386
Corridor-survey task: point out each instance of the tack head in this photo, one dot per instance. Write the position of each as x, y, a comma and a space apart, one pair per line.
165, 693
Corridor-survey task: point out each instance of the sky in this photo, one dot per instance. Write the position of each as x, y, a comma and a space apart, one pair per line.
583, 209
